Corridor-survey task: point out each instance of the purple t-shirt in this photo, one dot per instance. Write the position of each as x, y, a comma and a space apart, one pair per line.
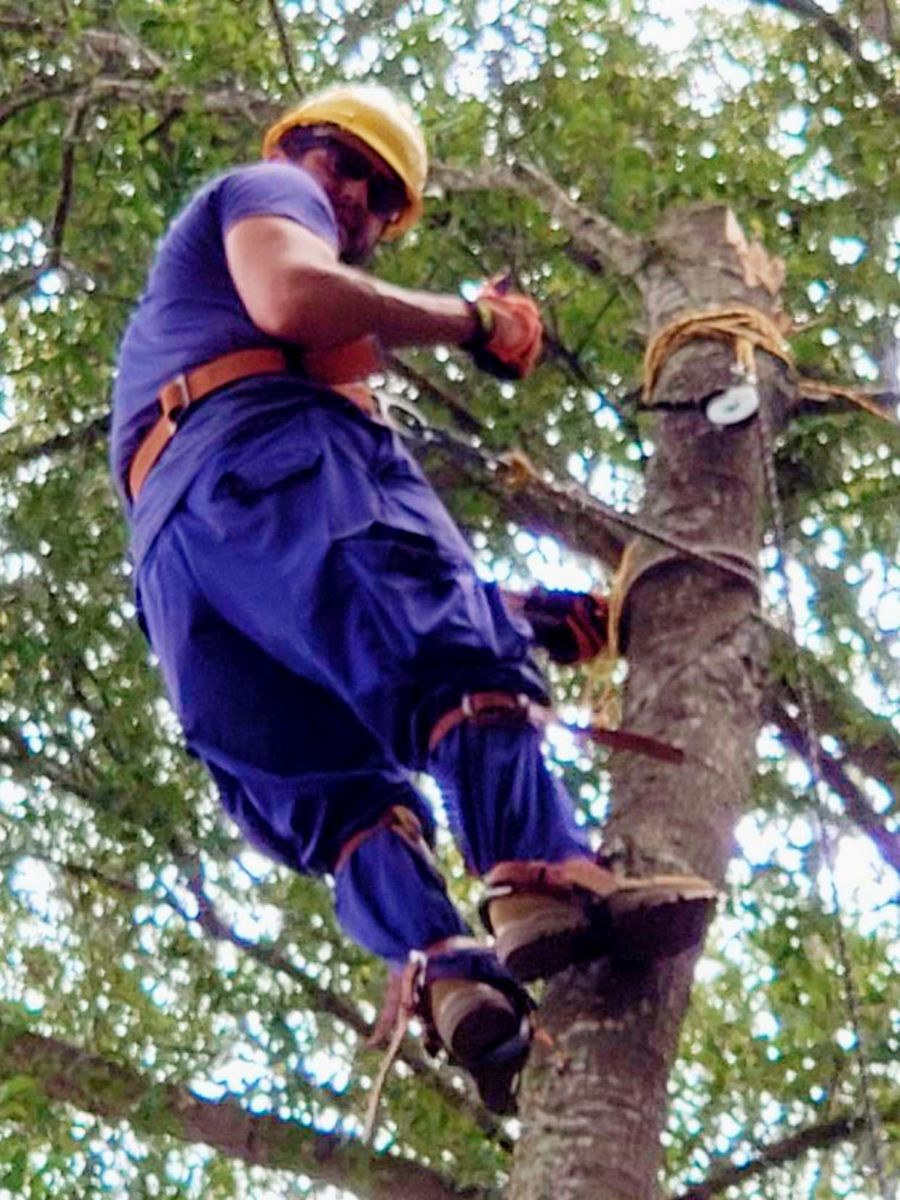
190, 312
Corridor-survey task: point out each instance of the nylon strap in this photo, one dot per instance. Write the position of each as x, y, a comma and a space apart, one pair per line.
490, 708
506, 708
186, 389
397, 819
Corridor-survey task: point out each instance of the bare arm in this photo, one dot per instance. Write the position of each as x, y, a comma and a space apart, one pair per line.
295, 289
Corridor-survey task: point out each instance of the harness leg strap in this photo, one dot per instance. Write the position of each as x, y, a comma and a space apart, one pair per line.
397, 819
513, 710
501, 800
389, 895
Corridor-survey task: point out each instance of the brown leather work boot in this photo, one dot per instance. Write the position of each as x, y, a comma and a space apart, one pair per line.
548, 916
472, 1008
471, 1018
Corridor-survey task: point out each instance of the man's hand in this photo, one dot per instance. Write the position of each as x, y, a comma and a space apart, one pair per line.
509, 337
571, 626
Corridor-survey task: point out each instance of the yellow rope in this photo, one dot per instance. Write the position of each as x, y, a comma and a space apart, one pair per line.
519, 472
749, 330
617, 594
607, 707
821, 393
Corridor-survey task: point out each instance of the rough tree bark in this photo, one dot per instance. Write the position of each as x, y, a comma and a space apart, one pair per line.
594, 1096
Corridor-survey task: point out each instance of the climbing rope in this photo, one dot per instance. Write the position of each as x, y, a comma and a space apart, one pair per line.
871, 1118
748, 330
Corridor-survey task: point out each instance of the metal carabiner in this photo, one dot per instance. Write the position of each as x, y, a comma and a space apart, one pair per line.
411, 419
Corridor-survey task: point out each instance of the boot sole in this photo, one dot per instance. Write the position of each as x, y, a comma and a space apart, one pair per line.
478, 1026
659, 924
648, 923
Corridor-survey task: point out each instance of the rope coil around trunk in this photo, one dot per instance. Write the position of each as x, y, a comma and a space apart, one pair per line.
748, 329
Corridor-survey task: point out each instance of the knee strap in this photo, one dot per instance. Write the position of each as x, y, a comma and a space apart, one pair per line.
397, 819
513, 710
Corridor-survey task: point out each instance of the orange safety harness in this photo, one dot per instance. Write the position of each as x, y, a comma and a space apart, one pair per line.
185, 390
506, 708
341, 369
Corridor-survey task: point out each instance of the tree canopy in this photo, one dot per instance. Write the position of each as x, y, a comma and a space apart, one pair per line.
180, 1018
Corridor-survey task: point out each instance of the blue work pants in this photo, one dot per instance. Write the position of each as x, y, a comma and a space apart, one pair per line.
315, 611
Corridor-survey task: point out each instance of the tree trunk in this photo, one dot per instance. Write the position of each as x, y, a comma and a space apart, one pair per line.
594, 1096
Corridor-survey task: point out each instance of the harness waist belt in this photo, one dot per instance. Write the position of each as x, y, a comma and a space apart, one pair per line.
187, 388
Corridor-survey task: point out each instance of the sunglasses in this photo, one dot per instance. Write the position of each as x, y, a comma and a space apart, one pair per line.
387, 196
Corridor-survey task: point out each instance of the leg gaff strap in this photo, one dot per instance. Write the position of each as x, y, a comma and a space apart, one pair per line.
397, 819
513, 710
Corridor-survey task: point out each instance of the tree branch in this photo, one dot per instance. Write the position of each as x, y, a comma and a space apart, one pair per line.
830, 26
564, 511
845, 39
24, 281
26, 765
856, 804
284, 41
29, 97
814, 1137
320, 999
16, 23
81, 435
70, 1075
592, 235
870, 742
461, 414
108, 46
556, 348
67, 171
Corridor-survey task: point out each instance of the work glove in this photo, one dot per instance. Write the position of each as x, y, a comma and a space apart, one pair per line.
509, 337
571, 626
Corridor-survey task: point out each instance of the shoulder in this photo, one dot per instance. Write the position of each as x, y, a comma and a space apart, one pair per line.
274, 189
271, 180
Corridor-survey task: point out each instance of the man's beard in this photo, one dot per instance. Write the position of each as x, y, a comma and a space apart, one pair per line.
356, 248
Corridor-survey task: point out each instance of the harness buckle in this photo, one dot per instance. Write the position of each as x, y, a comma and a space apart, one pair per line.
489, 708
181, 401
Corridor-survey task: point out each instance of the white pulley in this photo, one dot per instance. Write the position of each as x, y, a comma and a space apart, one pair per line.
737, 403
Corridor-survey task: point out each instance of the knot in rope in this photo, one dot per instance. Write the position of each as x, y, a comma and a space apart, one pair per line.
517, 470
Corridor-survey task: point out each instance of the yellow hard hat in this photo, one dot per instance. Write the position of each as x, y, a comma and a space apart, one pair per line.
375, 116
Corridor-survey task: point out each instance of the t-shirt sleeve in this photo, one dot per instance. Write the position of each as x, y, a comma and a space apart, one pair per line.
276, 190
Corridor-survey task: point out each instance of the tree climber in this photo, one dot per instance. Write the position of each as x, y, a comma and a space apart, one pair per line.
315, 611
